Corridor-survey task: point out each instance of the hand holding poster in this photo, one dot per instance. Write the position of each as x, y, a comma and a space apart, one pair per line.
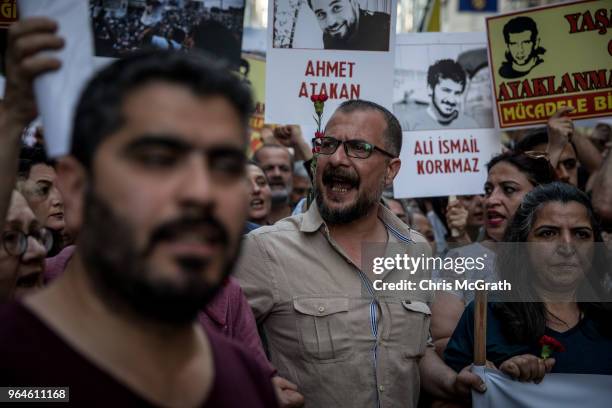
544, 59
339, 48
442, 100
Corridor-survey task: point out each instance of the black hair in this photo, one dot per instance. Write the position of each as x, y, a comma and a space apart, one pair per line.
393, 133
518, 25
446, 69
99, 110
524, 321
31, 156
538, 171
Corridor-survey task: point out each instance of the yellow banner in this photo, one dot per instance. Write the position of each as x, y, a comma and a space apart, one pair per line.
547, 58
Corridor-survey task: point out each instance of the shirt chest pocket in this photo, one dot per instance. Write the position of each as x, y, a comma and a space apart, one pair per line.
323, 328
408, 328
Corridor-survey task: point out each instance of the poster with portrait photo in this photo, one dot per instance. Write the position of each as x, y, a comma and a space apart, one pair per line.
359, 25
546, 58
301, 62
124, 26
442, 99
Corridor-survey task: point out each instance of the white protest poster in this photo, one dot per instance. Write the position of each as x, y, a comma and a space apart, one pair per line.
555, 391
341, 48
57, 92
442, 98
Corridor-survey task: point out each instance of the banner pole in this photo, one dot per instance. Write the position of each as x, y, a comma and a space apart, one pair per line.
480, 328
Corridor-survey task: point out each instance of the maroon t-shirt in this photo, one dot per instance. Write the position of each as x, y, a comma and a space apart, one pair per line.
31, 354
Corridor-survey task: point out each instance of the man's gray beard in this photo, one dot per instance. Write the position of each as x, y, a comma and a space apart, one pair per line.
119, 272
359, 209
279, 197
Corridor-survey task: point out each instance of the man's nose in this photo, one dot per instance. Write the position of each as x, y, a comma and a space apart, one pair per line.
562, 174
339, 157
331, 20
196, 183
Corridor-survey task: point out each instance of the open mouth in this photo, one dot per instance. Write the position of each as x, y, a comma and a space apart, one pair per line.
336, 31
257, 204
495, 219
340, 185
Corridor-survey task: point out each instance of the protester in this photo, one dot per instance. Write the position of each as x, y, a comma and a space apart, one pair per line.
277, 164
510, 177
301, 183
25, 243
37, 181
157, 171
465, 215
421, 224
397, 208
316, 305
260, 196
551, 219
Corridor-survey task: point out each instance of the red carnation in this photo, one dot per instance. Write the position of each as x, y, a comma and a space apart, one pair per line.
549, 345
314, 97
322, 97
318, 134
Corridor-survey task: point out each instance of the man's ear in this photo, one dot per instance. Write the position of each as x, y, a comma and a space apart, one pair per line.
72, 183
392, 169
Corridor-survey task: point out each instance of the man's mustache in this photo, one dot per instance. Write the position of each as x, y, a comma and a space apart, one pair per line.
205, 226
335, 174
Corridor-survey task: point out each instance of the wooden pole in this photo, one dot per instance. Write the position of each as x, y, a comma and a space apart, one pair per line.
480, 328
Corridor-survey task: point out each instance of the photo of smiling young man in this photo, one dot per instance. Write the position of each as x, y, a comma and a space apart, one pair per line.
447, 83
340, 25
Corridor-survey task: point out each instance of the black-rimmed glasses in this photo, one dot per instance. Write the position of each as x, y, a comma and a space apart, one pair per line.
358, 149
16, 242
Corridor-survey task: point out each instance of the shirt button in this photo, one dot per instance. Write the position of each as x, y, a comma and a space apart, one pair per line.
381, 388
321, 309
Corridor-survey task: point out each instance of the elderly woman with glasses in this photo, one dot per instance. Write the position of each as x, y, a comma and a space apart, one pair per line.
24, 243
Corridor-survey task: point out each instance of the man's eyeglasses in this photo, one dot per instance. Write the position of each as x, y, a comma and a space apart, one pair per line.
16, 242
353, 148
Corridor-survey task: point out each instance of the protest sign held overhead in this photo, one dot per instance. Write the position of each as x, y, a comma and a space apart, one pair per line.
65, 84
443, 102
125, 26
544, 59
343, 49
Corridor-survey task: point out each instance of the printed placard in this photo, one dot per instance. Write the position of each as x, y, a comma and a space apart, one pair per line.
341, 48
442, 98
547, 58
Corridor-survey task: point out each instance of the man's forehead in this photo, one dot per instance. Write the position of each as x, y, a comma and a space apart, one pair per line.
523, 35
173, 112
365, 124
322, 4
270, 154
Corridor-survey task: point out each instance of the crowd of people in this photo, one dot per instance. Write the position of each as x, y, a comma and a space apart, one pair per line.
157, 24
157, 265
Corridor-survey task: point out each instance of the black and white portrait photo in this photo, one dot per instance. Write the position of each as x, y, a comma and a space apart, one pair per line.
124, 26
523, 50
357, 25
442, 87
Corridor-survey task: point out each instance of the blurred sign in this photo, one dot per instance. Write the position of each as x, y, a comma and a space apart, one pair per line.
489, 6
8, 12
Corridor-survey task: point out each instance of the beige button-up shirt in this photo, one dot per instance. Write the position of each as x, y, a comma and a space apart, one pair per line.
341, 342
